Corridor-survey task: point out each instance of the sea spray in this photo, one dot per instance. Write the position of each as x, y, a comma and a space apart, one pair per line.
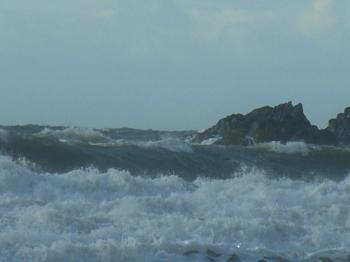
100, 216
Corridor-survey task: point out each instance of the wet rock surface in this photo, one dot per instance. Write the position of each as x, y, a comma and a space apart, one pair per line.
285, 122
340, 126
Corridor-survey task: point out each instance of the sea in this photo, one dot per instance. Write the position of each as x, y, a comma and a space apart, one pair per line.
83, 194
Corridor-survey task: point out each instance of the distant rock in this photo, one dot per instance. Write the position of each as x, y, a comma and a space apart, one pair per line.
284, 122
340, 126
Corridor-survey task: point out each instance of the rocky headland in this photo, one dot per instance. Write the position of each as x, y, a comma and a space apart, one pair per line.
340, 126
285, 122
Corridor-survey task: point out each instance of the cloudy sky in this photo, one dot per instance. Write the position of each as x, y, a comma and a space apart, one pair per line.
170, 64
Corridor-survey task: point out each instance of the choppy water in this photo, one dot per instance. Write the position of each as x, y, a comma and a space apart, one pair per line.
112, 211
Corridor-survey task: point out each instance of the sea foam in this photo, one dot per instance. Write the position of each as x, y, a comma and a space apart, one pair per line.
86, 215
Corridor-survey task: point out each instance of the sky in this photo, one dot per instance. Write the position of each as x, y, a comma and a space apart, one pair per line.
170, 64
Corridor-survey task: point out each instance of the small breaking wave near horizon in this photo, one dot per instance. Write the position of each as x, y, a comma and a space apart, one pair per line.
97, 138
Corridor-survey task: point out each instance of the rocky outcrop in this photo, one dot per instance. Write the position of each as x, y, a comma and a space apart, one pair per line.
340, 126
284, 122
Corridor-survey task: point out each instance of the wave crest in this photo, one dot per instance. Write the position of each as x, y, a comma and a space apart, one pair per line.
285, 148
74, 134
95, 216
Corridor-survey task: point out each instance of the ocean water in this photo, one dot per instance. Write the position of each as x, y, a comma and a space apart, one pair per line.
251, 213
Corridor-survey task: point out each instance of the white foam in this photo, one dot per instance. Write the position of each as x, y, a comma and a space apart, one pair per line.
286, 148
202, 131
85, 215
210, 141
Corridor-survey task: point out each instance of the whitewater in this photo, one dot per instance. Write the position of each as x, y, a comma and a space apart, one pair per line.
114, 214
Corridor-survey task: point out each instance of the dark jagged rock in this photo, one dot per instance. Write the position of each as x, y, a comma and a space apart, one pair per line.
340, 126
284, 122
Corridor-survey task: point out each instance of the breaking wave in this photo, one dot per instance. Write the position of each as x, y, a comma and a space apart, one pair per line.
97, 138
88, 215
286, 148
210, 141
170, 144
74, 134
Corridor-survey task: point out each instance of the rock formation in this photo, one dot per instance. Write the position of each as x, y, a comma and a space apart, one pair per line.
284, 122
340, 126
